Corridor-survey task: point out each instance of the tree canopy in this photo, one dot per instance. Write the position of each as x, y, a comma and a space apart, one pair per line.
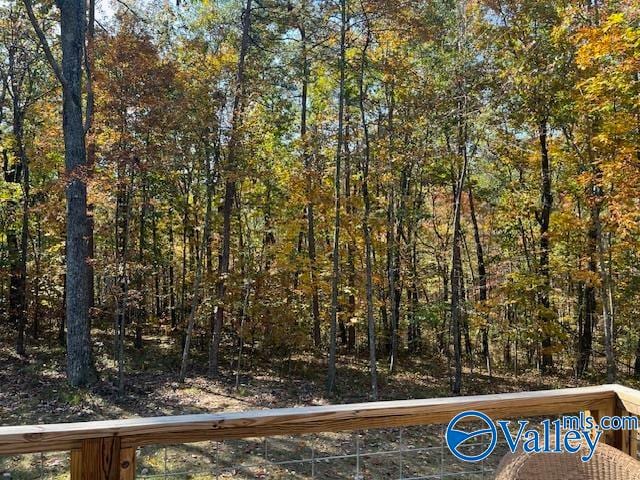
448, 178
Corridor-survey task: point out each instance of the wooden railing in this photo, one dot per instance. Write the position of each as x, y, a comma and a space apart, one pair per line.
105, 450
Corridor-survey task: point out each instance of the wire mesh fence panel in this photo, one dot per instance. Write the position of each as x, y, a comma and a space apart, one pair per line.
50, 466
412, 453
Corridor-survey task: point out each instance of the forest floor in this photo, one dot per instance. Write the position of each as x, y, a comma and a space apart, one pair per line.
33, 390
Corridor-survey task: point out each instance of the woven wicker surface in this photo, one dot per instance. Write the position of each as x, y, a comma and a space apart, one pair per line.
607, 463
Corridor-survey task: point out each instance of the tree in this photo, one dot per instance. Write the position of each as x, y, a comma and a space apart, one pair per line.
230, 170
366, 216
335, 275
80, 365
482, 279
133, 88
448, 181
23, 82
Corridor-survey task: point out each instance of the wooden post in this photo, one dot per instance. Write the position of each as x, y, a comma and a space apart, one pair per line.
626, 440
128, 464
97, 459
76, 464
608, 436
596, 416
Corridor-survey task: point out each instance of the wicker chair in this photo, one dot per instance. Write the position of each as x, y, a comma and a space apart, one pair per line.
607, 463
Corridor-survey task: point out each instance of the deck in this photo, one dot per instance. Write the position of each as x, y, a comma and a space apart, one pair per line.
382, 433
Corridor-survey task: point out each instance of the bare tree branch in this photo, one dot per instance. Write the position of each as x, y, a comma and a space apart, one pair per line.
132, 11
45, 44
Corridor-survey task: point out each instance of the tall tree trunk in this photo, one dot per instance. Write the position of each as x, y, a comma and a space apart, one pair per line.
209, 206
468, 349
607, 309
457, 289
17, 71
456, 282
310, 175
335, 278
35, 326
243, 315
141, 309
80, 366
268, 239
392, 247
351, 277
16, 311
366, 227
543, 221
156, 266
414, 334
445, 275
397, 219
506, 350
18, 256
384, 343
172, 288
122, 222
24, 248
183, 273
587, 304
315, 297
230, 191
201, 254
482, 282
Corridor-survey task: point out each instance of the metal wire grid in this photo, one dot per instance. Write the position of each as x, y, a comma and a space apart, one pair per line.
369, 455
34, 466
414, 453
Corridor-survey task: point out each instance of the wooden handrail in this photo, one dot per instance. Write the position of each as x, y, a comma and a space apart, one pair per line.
628, 398
283, 421
91, 442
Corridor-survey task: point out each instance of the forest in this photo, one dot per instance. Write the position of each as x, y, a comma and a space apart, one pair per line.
361, 184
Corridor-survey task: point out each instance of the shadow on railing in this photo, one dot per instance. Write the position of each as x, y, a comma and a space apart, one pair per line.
401, 439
